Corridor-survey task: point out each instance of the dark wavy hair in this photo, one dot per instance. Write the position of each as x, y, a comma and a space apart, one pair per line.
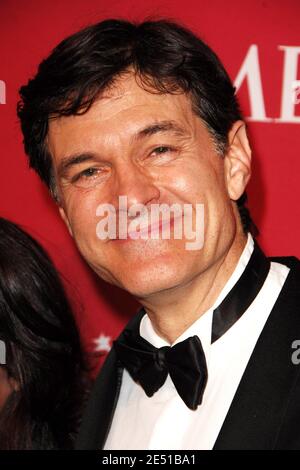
43, 349
166, 58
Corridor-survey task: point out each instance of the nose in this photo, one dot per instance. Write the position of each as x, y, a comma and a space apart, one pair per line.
137, 184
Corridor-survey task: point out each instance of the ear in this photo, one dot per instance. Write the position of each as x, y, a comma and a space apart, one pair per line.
237, 161
65, 219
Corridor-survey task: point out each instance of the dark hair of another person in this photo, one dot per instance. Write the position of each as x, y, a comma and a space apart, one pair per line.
43, 350
166, 58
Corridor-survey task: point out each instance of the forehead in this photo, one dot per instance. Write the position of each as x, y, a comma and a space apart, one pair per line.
122, 110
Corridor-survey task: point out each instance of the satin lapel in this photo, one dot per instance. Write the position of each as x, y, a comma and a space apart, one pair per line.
242, 294
258, 408
99, 411
103, 399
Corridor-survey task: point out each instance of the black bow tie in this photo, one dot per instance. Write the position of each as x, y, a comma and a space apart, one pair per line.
185, 361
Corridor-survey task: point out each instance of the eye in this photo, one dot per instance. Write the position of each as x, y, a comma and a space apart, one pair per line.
161, 155
162, 149
89, 177
88, 173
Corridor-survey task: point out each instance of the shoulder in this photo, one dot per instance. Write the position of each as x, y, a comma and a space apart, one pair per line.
292, 283
288, 301
291, 262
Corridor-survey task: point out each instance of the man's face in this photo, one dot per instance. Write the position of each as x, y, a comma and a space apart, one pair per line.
153, 149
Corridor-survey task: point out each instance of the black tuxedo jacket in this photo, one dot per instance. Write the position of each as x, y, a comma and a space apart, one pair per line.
265, 411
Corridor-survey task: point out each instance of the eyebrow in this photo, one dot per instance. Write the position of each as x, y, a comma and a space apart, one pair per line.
72, 160
161, 126
152, 129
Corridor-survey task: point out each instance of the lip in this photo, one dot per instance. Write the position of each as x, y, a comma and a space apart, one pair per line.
132, 235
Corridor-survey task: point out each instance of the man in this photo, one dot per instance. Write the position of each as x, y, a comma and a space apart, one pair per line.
147, 113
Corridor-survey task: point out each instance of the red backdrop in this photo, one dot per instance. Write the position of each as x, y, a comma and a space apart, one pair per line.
259, 43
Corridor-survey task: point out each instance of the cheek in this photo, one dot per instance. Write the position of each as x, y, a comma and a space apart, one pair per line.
81, 208
183, 182
198, 182
205, 184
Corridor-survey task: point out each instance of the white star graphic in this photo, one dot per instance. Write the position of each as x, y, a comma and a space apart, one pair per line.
102, 343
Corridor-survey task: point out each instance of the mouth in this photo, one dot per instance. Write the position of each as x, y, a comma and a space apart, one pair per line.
151, 231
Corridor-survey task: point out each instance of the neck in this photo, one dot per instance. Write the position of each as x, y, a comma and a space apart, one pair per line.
171, 312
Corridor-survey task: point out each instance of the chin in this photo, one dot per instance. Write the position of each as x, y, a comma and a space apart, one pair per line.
145, 272
150, 283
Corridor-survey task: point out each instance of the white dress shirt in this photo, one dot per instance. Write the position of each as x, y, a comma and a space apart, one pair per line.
163, 421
